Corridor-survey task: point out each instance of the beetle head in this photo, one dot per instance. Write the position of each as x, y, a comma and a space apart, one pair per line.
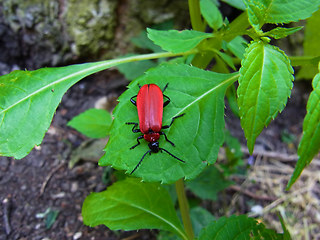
154, 146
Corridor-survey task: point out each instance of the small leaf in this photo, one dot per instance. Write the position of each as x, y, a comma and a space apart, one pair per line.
281, 32
131, 205
238, 46
197, 135
227, 59
29, 99
309, 145
279, 11
238, 228
211, 14
311, 47
200, 218
232, 100
236, 3
177, 41
208, 184
51, 218
133, 70
94, 123
144, 42
265, 84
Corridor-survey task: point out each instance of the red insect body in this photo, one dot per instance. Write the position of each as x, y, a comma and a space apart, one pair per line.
150, 111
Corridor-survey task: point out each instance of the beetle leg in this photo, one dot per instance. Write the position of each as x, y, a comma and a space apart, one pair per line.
141, 160
135, 125
165, 87
165, 136
166, 102
162, 149
140, 137
167, 126
133, 101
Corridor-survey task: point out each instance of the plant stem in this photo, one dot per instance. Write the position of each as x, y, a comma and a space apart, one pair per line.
184, 208
195, 15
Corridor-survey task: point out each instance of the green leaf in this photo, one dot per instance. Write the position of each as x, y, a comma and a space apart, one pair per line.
238, 228
133, 70
311, 46
232, 100
142, 41
131, 205
197, 135
281, 32
93, 123
29, 99
177, 41
200, 218
309, 145
226, 58
211, 14
265, 84
279, 11
51, 218
208, 184
236, 3
238, 46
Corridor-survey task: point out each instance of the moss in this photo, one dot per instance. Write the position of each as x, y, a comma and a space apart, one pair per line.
91, 24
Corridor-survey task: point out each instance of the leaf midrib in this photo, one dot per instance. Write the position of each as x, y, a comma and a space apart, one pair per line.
231, 79
151, 213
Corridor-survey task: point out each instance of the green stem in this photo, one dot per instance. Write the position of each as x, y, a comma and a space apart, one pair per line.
195, 15
184, 208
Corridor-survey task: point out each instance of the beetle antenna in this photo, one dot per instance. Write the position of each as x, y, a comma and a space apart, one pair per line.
171, 155
140, 161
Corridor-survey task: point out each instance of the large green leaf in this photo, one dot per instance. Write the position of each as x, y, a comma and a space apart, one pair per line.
311, 46
265, 84
279, 11
28, 100
177, 41
211, 14
131, 205
238, 228
197, 135
310, 142
94, 123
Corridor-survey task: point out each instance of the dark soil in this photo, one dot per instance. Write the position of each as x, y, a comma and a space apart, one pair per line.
42, 180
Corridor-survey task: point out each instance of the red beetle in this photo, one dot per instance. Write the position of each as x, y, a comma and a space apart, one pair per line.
150, 110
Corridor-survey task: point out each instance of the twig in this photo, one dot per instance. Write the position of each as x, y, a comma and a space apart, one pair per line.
250, 194
276, 155
44, 184
6, 205
134, 236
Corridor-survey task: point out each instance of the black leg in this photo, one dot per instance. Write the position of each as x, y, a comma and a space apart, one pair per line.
133, 101
165, 87
141, 160
167, 126
138, 138
166, 102
162, 149
135, 125
165, 136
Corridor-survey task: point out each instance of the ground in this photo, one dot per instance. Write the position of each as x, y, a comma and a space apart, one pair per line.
43, 180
